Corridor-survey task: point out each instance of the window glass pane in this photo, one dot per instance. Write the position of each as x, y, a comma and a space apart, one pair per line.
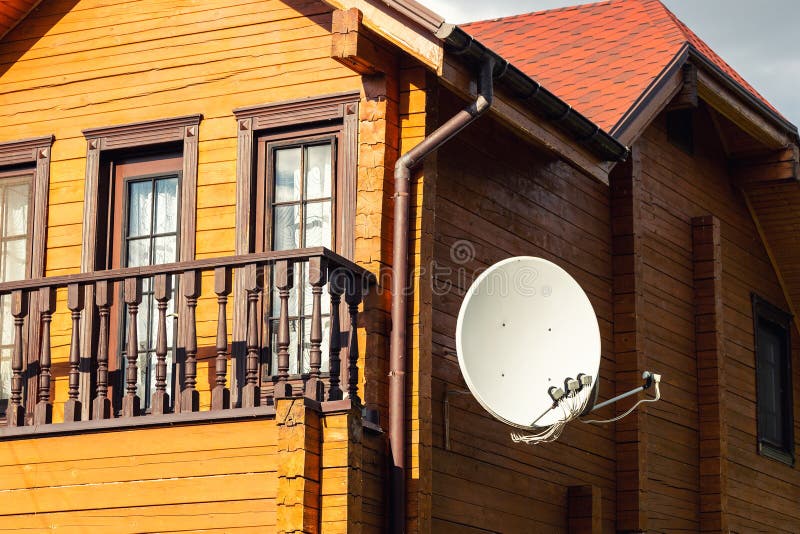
6, 322
5, 373
318, 171
164, 249
286, 227
318, 224
138, 252
276, 301
287, 174
324, 347
139, 208
770, 383
16, 209
166, 206
16, 252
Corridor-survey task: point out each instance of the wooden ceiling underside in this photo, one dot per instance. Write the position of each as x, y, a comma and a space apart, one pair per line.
13, 11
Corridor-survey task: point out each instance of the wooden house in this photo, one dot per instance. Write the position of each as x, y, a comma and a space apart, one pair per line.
278, 206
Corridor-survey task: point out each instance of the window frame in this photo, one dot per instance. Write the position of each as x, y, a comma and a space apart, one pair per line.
768, 312
32, 155
291, 117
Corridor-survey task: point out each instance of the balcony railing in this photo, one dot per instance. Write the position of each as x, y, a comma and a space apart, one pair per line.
344, 282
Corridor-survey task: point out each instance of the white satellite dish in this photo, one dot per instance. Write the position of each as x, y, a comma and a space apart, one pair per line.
524, 327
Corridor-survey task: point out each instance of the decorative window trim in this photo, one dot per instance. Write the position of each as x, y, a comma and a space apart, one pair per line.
297, 113
35, 151
764, 310
145, 134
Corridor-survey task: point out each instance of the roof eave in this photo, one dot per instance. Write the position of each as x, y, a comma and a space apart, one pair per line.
543, 102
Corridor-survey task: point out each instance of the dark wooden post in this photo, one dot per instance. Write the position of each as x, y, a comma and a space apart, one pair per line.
221, 395
133, 297
162, 292
190, 398
335, 343
15, 414
101, 406
317, 276
43, 412
353, 299
251, 391
72, 408
283, 282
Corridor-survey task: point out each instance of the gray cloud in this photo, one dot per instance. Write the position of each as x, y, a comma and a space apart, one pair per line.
755, 38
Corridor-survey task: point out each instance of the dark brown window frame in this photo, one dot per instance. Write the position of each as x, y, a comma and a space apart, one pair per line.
32, 155
763, 310
291, 115
145, 135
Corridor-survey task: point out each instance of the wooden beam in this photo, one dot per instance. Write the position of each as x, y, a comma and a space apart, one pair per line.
775, 166
687, 95
739, 112
584, 510
711, 383
357, 47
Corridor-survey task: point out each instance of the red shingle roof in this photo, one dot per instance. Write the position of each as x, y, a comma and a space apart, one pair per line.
599, 58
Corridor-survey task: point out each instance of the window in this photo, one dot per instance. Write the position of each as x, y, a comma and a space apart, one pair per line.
773, 381
24, 185
15, 197
296, 177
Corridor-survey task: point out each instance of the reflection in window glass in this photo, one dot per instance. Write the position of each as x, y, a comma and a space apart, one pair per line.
302, 216
14, 202
152, 238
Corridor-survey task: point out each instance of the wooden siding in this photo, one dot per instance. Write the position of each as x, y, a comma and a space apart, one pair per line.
762, 493
220, 477
77, 64
496, 197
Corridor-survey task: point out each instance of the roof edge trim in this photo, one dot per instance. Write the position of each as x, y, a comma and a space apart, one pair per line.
543, 102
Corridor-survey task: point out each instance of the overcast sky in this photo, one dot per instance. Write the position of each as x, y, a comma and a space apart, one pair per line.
757, 38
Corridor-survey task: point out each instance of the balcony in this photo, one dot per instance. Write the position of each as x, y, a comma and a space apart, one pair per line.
257, 294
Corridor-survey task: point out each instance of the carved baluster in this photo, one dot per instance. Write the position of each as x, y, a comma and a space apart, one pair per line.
317, 276
190, 398
221, 395
72, 408
335, 343
133, 297
284, 280
251, 391
101, 407
162, 292
353, 299
43, 412
15, 414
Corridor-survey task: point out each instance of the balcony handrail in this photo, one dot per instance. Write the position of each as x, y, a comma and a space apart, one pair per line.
115, 275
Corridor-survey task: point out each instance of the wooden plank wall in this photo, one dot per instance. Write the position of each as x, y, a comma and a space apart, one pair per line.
218, 477
76, 64
497, 197
762, 493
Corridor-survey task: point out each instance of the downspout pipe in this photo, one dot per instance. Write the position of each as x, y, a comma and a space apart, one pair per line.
398, 347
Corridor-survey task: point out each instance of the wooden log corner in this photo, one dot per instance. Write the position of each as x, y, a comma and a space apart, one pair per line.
770, 168
357, 47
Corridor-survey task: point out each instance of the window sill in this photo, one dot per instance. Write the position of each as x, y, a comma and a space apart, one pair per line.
774, 453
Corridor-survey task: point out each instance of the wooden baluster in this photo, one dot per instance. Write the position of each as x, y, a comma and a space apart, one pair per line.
251, 391
317, 276
283, 282
353, 299
15, 414
43, 411
221, 395
162, 292
335, 343
72, 408
190, 397
132, 290
101, 406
